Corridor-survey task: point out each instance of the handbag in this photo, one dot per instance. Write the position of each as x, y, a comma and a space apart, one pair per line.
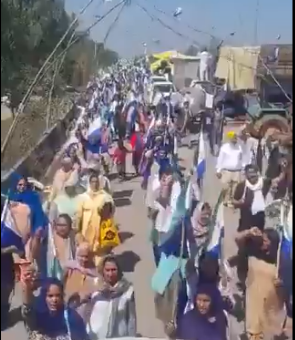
109, 235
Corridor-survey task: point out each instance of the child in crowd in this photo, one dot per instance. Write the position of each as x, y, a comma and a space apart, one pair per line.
119, 157
137, 144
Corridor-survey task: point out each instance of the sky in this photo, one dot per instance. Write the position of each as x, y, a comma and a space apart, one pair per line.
216, 17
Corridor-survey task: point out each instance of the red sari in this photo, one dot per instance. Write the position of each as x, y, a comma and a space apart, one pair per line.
137, 144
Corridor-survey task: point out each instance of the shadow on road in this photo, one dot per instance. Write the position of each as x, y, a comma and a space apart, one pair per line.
243, 336
122, 198
282, 336
239, 311
122, 194
128, 260
122, 202
114, 176
14, 317
125, 235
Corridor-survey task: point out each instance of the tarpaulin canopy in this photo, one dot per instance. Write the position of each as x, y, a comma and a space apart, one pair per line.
165, 55
238, 66
154, 66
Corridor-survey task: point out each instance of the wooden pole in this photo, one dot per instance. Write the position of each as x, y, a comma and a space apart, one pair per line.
256, 22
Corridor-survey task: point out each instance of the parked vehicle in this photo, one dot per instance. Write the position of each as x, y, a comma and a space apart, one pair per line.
164, 88
157, 79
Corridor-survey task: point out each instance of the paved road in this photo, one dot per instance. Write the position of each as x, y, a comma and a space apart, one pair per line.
136, 251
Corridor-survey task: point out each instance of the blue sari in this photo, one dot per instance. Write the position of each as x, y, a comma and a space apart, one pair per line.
211, 326
32, 200
64, 324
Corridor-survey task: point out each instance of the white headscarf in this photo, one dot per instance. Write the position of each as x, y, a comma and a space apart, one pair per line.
258, 203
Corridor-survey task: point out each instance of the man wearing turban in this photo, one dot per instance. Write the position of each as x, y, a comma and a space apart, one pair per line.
229, 165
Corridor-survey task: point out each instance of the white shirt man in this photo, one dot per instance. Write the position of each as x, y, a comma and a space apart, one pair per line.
229, 166
113, 106
205, 64
230, 158
249, 146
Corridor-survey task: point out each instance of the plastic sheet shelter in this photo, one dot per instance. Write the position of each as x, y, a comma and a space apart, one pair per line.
159, 57
155, 65
238, 66
164, 56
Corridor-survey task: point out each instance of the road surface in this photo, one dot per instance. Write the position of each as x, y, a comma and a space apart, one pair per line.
136, 254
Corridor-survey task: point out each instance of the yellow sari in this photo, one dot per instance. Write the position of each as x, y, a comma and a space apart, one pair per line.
89, 220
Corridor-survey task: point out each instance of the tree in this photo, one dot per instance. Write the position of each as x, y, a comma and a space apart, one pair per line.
85, 58
30, 30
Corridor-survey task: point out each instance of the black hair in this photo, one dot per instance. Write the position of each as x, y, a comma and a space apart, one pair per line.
165, 171
206, 206
112, 259
67, 218
93, 175
211, 261
120, 143
251, 167
274, 239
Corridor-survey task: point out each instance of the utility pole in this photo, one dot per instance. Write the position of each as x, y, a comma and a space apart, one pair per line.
256, 22
95, 63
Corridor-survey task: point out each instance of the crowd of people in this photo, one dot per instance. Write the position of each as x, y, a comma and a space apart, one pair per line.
59, 241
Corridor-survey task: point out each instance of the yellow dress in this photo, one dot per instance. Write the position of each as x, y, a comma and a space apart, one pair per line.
89, 219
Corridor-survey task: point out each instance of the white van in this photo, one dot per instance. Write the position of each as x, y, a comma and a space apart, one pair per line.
165, 88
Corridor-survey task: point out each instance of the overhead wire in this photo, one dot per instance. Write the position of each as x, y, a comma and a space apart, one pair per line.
114, 23
70, 43
269, 72
29, 91
47, 61
197, 30
168, 27
259, 57
87, 31
57, 69
153, 18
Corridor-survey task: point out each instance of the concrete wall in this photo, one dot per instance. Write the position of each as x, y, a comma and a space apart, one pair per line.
38, 160
5, 112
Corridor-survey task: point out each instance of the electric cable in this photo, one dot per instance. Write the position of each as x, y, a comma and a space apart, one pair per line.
43, 67
214, 37
153, 18
28, 93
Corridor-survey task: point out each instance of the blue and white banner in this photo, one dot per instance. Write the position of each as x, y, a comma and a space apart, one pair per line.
285, 265
10, 235
201, 163
217, 233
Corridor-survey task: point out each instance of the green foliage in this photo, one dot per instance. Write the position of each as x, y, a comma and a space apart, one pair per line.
30, 29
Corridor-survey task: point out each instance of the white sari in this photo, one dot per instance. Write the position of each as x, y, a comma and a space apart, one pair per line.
112, 315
